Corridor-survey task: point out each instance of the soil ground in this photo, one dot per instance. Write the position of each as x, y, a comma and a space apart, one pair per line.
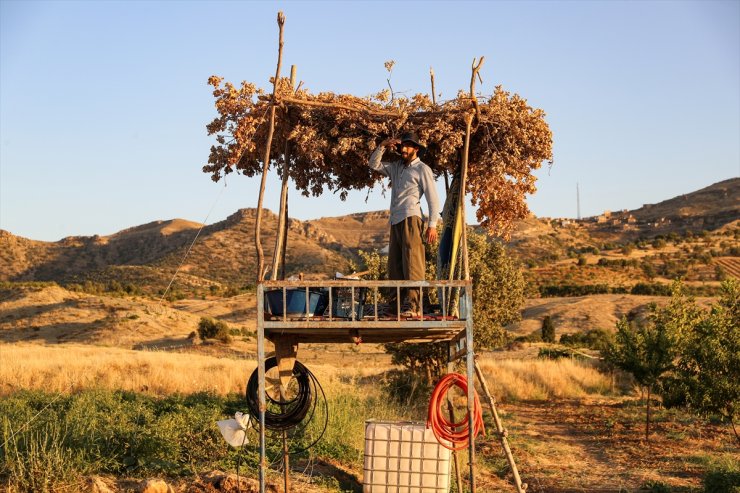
559, 446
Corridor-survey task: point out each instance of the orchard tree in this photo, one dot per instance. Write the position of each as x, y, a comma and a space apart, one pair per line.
647, 352
707, 376
649, 349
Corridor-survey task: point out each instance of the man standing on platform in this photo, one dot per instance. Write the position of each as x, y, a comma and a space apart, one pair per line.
410, 179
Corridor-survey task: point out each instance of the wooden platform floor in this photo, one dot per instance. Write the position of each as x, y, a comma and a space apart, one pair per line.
432, 328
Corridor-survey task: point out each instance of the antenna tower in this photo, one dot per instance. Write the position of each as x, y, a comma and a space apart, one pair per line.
578, 202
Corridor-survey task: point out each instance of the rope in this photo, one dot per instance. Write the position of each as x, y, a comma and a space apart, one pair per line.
457, 434
203, 225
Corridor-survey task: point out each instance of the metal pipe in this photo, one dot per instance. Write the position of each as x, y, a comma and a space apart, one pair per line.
455, 457
352, 301
285, 306
375, 294
261, 379
471, 383
307, 303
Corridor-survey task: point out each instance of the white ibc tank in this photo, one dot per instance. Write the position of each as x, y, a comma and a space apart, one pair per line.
404, 457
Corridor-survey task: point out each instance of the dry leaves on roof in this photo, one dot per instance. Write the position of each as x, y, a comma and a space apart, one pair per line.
330, 137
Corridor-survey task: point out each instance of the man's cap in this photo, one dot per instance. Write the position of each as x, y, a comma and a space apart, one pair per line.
413, 138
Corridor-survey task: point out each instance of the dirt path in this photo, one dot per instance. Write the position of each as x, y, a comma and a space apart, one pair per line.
600, 446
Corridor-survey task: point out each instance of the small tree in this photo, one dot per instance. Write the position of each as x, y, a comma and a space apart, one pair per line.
707, 376
498, 290
548, 329
648, 350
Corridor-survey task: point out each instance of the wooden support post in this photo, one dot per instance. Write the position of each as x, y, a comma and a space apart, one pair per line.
463, 184
281, 232
466, 274
434, 95
266, 158
520, 487
286, 350
434, 102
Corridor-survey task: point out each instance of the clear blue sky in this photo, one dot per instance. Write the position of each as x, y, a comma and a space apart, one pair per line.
103, 105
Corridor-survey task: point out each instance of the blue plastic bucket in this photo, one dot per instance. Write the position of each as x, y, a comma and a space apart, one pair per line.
295, 302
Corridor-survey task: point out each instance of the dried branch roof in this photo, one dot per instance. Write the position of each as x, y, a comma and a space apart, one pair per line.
330, 137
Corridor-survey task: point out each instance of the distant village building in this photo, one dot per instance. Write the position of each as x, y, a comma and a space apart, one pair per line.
604, 217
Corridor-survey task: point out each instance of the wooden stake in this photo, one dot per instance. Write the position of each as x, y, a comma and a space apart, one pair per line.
266, 158
280, 236
434, 95
434, 102
520, 487
476, 73
464, 173
463, 184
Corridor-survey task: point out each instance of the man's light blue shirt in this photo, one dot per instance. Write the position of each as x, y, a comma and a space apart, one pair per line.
408, 184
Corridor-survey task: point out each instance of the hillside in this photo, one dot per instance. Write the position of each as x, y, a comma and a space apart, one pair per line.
148, 255
105, 326
51, 314
694, 236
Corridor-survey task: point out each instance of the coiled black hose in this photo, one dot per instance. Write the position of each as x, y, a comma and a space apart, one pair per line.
288, 415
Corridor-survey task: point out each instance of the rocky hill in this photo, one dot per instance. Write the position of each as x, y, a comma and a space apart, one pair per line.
148, 255
223, 254
707, 209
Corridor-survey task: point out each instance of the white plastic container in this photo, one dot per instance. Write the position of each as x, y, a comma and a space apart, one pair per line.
404, 457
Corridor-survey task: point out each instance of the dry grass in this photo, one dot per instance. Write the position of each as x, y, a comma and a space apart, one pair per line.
523, 380
66, 368
70, 367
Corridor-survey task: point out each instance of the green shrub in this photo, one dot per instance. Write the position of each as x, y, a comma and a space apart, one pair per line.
593, 338
107, 432
548, 329
406, 388
652, 289
722, 482
209, 328
557, 353
547, 291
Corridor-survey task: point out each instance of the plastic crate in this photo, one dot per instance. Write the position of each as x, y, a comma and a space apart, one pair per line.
404, 457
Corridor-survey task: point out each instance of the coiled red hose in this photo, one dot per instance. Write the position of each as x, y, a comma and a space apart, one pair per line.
457, 434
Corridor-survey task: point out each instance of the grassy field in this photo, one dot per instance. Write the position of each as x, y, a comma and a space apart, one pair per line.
74, 412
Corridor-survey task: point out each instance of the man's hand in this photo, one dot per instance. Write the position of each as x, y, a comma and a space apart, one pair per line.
390, 143
430, 235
